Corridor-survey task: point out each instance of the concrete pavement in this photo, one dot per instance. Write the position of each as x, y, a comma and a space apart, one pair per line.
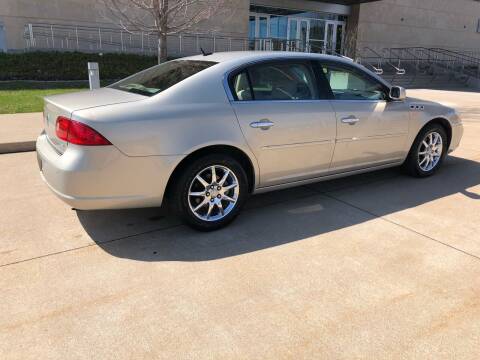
376, 266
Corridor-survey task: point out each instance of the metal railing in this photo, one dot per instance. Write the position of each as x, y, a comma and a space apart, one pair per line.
437, 59
102, 39
60, 37
41, 36
377, 61
277, 44
423, 65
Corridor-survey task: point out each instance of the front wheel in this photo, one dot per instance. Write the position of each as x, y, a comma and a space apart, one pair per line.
210, 192
427, 152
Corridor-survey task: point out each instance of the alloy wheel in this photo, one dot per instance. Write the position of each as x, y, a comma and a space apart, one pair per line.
430, 151
213, 193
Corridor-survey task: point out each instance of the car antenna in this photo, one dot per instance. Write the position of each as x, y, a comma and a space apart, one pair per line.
204, 53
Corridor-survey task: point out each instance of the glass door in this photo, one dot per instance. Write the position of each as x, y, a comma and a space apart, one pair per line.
334, 37
298, 34
339, 38
273, 32
292, 34
330, 37
262, 33
317, 36
258, 32
303, 35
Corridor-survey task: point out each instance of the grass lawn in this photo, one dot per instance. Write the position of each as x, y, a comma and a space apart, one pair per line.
27, 96
28, 100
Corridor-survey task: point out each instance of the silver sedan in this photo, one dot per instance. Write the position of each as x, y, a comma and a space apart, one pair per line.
205, 132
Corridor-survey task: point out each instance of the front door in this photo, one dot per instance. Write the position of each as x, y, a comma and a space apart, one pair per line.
290, 131
370, 129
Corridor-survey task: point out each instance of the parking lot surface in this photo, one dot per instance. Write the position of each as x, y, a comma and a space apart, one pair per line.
375, 266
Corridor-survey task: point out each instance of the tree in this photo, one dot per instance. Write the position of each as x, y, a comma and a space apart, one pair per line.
160, 17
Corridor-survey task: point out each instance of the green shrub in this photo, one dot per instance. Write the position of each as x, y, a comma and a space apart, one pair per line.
48, 66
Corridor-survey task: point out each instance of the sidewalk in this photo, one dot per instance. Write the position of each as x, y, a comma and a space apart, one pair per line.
19, 132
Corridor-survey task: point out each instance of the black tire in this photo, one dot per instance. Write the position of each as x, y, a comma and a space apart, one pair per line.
411, 164
179, 197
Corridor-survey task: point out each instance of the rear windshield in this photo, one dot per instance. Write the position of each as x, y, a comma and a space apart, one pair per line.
158, 78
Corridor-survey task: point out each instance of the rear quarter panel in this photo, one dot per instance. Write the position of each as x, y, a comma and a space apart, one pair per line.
161, 129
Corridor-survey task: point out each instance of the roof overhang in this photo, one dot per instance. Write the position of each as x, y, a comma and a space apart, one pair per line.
340, 7
345, 2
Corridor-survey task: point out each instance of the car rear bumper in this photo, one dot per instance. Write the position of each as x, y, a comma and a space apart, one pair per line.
101, 177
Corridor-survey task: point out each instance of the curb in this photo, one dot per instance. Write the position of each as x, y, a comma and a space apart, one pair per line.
17, 147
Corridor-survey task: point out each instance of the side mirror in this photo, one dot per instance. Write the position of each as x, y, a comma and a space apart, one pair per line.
398, 93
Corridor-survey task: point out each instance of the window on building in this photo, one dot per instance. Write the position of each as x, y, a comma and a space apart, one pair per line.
278, 27
262, 27
251, 27
3, 45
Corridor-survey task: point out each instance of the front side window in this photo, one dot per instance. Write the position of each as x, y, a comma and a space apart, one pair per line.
159, 78
349, 84
276, 81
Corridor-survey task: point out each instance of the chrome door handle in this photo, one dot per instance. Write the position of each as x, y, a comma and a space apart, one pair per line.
350, 120
264, 124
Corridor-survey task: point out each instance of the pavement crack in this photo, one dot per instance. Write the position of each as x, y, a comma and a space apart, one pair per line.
400, 225
90, 245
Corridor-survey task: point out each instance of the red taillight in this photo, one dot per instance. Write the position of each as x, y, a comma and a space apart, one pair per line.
77, 133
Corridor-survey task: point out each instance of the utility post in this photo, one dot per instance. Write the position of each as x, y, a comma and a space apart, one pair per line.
93, 75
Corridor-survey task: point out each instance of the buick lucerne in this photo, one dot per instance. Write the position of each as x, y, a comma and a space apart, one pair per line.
203, 133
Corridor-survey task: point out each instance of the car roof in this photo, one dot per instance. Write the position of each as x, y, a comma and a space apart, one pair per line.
245, 56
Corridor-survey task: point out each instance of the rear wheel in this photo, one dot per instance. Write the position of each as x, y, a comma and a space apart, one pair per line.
427, 152
210, 192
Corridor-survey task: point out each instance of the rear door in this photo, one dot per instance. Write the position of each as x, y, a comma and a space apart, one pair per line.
371, 129
288, 124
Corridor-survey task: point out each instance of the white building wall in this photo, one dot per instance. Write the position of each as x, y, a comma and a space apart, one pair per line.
427, 23
15, 14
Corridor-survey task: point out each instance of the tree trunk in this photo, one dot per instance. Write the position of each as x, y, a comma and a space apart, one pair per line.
162, 48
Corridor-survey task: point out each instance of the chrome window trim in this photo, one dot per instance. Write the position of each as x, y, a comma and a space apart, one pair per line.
278, 101
354, 65
360, 100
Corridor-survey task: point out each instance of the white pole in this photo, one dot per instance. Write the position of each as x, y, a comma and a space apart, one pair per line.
93, 75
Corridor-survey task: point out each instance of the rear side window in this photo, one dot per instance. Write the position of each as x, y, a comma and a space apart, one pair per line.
275, 81
159, 78
241, 87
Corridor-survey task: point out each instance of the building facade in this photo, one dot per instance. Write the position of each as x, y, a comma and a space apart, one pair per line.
296, 25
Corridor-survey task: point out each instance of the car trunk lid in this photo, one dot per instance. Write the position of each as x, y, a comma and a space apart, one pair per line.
66, 104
